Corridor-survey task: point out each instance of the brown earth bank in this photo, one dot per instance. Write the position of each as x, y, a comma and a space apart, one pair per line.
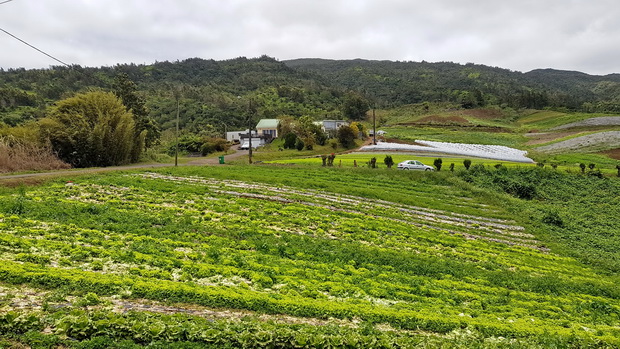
431, 119
612, 153
483, 114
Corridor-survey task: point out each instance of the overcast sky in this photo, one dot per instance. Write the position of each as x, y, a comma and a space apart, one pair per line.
522, 35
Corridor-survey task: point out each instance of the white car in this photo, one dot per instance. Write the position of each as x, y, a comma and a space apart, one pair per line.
414, 165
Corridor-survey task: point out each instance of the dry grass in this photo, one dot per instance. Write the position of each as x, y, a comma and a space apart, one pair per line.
28, 157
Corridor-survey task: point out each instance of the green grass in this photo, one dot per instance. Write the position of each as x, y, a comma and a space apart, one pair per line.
544, 120
456, 135
406, 255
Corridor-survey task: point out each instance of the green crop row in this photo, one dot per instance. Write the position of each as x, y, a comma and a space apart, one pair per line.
95, 329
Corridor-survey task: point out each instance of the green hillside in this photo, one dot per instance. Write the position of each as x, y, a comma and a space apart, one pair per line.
265, 256
315, 87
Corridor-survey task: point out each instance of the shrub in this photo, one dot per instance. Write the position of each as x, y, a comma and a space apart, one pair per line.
373, 163
438, 163
582, 166
299, 145
467, 163
334, 144
553, 218
290, 139
596, 173
388, 161
591, 166
214, 145
452, 167
330, 159
346, 136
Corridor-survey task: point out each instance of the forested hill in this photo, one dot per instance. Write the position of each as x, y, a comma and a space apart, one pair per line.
212, 92
396, 83
216, 93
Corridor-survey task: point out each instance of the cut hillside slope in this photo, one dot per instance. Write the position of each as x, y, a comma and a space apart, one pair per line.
593, 122
588, 143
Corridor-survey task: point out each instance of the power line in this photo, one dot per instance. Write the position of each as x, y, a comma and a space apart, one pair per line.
24, 42
4, 2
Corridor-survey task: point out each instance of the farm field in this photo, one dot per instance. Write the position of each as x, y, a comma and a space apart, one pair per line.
272, 256
362, 159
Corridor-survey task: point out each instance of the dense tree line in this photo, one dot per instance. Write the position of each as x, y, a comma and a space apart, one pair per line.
392, 84
214, 94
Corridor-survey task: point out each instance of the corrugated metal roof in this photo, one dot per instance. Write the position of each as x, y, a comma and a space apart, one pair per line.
268, 123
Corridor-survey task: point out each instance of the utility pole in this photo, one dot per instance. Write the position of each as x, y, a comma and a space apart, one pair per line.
250, 114
176, 150
374, 125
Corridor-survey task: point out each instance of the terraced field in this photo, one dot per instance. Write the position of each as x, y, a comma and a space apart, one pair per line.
244, 256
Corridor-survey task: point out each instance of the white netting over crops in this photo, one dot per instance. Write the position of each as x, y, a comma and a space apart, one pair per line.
497, 152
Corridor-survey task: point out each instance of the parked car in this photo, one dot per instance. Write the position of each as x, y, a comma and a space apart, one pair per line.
414, 165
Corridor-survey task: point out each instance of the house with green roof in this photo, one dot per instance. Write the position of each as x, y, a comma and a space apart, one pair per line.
268, 127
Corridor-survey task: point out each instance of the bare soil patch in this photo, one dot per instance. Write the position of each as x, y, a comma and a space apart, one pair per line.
432, 119
612, 153
484, 114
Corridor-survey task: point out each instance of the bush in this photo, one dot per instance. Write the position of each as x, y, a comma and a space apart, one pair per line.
552, 218
299, 145
214, 145
334, 144
452, 167
438, 163
372, 163
290, 139
330, 159
346, 136
388, 161
467, 163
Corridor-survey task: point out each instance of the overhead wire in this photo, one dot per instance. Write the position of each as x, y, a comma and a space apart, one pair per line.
5, 1
32, 46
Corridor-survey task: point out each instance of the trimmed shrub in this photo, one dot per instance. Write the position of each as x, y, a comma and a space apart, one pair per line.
438, 163
467, 163
388, 161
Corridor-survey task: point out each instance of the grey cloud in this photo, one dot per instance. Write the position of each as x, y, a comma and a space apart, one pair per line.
518, 35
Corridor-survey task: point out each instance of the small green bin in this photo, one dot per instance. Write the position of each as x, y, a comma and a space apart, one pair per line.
221, 159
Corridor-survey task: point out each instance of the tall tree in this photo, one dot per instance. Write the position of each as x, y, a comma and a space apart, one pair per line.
127, 91
355, 106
